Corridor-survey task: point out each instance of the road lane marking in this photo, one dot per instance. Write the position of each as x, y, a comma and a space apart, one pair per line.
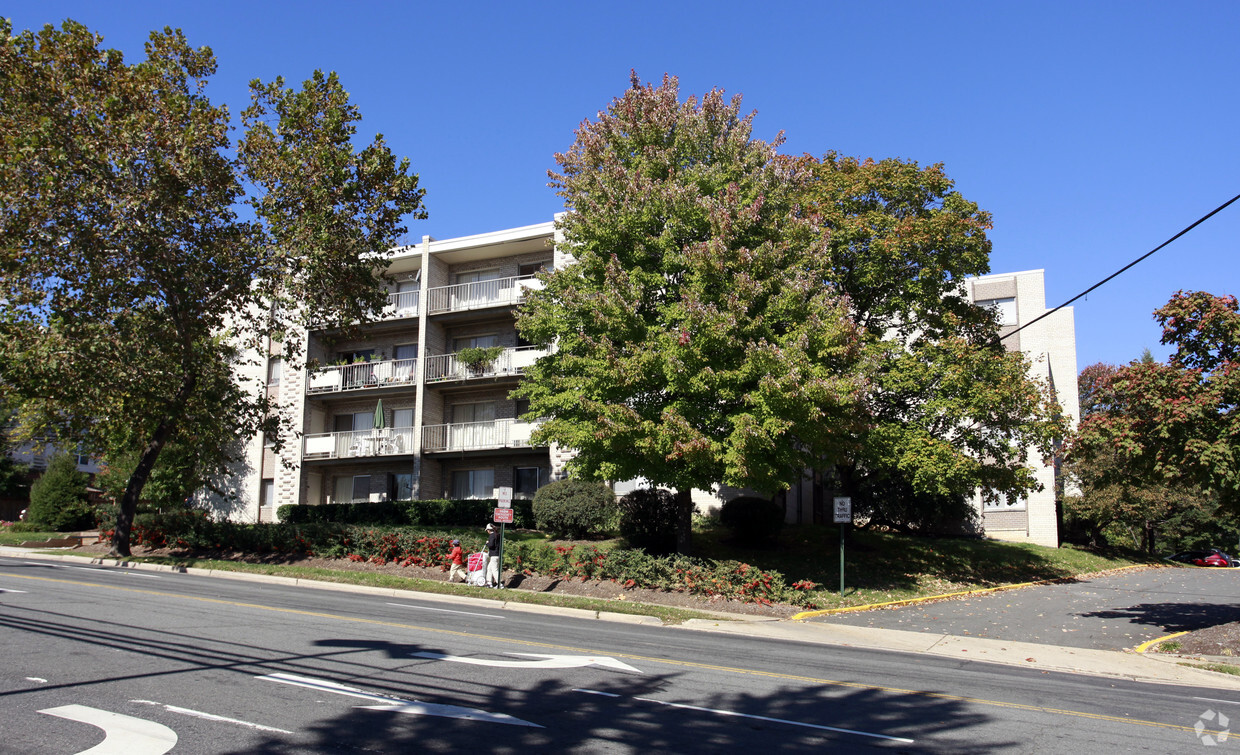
398, 705
596, 692
1216, 700
445, 610
546, 661
5, 589
96, 569
211, 716
648, 659
774, 720
123, 735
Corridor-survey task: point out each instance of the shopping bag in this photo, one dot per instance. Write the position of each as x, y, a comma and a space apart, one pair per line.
476, 561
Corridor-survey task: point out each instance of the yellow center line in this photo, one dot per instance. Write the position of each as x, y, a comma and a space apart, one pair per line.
631, 656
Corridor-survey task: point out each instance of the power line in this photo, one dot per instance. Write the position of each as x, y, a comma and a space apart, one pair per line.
1198, 222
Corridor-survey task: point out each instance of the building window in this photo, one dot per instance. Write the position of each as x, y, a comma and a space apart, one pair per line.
475, 342
351, 489
274, 366
405, 351
1005, 309
267, 494
402, 487
531, 268
526, 481
402, 418
473, 483
483, 411
355, 421
522, 407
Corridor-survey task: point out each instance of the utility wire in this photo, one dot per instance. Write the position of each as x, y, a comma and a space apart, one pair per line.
1199, 221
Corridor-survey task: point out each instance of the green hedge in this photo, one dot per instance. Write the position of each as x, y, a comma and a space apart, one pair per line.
474, 512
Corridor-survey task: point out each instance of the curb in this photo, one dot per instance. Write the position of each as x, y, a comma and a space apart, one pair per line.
924, 599
1144, 646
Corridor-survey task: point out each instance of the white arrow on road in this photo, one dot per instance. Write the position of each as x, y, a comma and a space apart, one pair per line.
123, 735
398, 705
546, 661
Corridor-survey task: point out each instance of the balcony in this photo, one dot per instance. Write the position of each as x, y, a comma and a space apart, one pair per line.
401, 304
364, 375
389, 441
473, 436
443, 367
480, 294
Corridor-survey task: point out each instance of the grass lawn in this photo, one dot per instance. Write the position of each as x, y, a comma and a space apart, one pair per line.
8, 537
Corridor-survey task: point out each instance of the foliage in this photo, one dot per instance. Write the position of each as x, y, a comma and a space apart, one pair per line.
648, 519
752, 520
58, 498
885, 499
574, 508
949, 410
14, 477
470, 512
694, 342
478, 358
132, 284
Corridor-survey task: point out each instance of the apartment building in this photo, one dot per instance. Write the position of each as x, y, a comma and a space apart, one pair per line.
396, 413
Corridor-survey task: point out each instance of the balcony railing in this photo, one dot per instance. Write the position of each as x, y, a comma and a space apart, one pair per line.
363, 375
401, 304
470, 436
480, 294
358, 443
509, 362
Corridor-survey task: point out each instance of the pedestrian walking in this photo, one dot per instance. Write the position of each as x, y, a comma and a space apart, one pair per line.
493, 557
457, 560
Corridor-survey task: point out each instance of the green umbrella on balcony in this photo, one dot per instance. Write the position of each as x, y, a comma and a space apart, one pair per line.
379, 424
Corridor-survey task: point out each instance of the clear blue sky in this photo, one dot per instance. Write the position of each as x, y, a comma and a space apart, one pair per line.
1092, 131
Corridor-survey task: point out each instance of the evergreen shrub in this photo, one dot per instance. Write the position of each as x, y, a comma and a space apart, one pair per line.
574, 508
648, 520
752, 520
58, 498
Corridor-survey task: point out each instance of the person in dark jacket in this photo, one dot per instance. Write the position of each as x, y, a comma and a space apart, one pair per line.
492, 575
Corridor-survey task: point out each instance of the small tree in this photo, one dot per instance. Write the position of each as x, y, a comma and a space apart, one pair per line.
648, 519
576, 508
58, 498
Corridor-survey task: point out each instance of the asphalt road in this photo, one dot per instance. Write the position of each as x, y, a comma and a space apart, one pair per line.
188, 664
1110, 612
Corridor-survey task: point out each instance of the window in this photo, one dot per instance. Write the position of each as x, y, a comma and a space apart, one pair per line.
405, 351
477, 276
361, 355
267, 494
402, 487
530, 268
483, 411
402, 418
526, 481
274, 365
475, 342
1005, 309
473, 483
355, 421
350, 489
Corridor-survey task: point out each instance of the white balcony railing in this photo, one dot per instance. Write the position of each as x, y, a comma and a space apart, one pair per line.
480, 294
358, 443
362, 375
469, 436
509, 362
401, 304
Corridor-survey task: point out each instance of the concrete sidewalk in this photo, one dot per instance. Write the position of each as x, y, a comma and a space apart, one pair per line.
1109, 663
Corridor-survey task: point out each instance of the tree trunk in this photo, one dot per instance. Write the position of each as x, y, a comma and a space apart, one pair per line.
684, 521
137, 480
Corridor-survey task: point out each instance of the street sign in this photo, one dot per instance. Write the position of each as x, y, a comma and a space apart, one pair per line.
843, 510
503, 515
504, 497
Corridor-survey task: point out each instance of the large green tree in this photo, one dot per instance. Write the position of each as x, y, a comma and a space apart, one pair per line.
949, 410
1174, 423
695, 341
130, 277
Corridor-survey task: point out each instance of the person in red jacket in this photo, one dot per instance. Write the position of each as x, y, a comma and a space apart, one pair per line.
458, 562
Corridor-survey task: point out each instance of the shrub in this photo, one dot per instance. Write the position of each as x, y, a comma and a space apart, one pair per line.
472, 512
752, 520
58, 498
575, 508
648, 520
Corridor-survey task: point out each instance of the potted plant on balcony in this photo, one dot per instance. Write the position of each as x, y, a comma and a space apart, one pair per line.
477, 359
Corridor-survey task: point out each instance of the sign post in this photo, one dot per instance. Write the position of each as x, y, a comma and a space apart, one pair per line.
503, 515
843, 516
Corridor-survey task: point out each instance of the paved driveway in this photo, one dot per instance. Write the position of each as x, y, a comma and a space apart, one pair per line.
1110, 612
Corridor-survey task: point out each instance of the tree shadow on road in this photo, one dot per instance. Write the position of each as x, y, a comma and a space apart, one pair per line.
1173, 617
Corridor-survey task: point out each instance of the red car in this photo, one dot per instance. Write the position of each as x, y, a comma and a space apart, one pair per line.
1211, 557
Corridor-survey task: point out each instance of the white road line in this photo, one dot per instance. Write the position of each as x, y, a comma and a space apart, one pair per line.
445, 610
859, 733
1216, 700
5, 589
123, 735
96, 569
596, 692
391, 704
211, 716
36, 679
